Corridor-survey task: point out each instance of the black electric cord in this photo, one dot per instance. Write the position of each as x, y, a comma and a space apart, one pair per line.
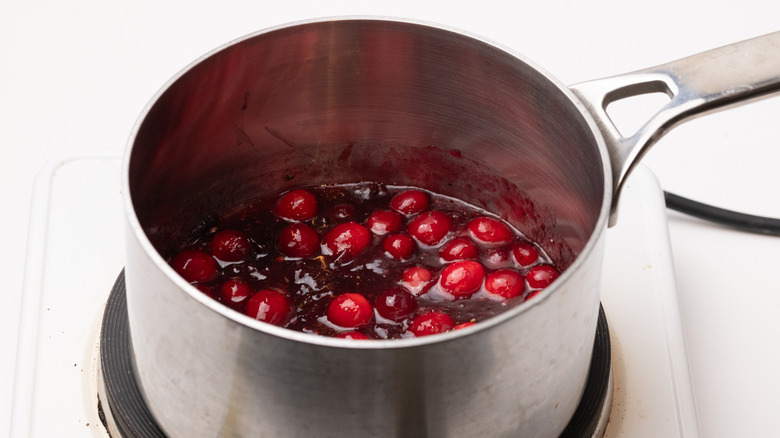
745, 222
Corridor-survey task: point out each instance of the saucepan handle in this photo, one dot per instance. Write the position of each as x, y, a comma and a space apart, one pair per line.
699, 84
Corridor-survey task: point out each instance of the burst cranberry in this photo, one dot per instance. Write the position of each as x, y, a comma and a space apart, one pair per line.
395, 304
234, 291
431, 323
430, 227
525, 253
399, 246
464, 325
297, 205
382, 222
490, 230
195, 266
350, 238
350, 310
352, 335
497, 258
459, 248
268, 306
230, 246
462, 279
299, 240
339, 212
410, 202
505, 283
417, 279
540, 276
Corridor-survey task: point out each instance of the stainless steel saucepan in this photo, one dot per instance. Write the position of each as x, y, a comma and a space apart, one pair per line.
281, 108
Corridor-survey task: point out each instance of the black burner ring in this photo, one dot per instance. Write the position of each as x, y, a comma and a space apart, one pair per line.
132, 418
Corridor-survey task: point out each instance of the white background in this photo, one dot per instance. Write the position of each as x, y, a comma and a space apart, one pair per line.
74, 76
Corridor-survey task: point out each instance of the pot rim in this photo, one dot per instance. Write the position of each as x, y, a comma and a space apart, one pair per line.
292, 335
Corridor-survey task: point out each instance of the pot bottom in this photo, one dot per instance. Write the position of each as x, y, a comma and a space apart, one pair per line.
125, 414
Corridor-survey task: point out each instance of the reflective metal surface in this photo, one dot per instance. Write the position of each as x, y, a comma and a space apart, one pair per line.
699, 84
380, 100
354, 100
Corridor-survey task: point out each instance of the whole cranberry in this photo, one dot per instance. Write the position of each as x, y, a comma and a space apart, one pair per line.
399, 246
410, 202
269, 306
381, 222
430, 227
533, 294
297, 205
352, 335
489, 230
540, 276
350, 310
505, 283
234, 291
207, 289
298, 240
350, 238
462, 279
525, 253
417, 280
195, 266
230, 246
395, 304
431, 323
459, 248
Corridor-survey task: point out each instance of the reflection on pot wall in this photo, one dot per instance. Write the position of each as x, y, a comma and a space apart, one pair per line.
345, 101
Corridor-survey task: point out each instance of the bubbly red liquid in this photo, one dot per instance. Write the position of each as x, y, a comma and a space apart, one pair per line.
365, 261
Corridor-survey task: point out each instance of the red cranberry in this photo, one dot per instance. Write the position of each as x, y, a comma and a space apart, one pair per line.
525, 253
234, 291
431, 323
399, 246
269, 306
349, 237
207, 289
505, 283
464, 325
382, 222
395, 304
350, 310
340, 212
497, 258
297, 205
533, 294
299, 240
352, 335
417, 279
540, 276
490, 230
230, 246
410, 202
195, 266
430, 227
462, 279
459, 248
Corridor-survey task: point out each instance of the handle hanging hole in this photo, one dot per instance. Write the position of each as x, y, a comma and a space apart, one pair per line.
628, 114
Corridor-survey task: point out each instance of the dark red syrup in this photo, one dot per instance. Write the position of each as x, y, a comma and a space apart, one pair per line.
365, 261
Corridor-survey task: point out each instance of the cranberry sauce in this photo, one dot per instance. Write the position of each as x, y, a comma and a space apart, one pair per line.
364, 261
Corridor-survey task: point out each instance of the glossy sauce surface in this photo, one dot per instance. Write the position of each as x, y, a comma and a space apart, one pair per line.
364, 261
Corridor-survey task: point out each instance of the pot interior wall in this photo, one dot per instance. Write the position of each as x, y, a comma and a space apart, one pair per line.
368, 100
